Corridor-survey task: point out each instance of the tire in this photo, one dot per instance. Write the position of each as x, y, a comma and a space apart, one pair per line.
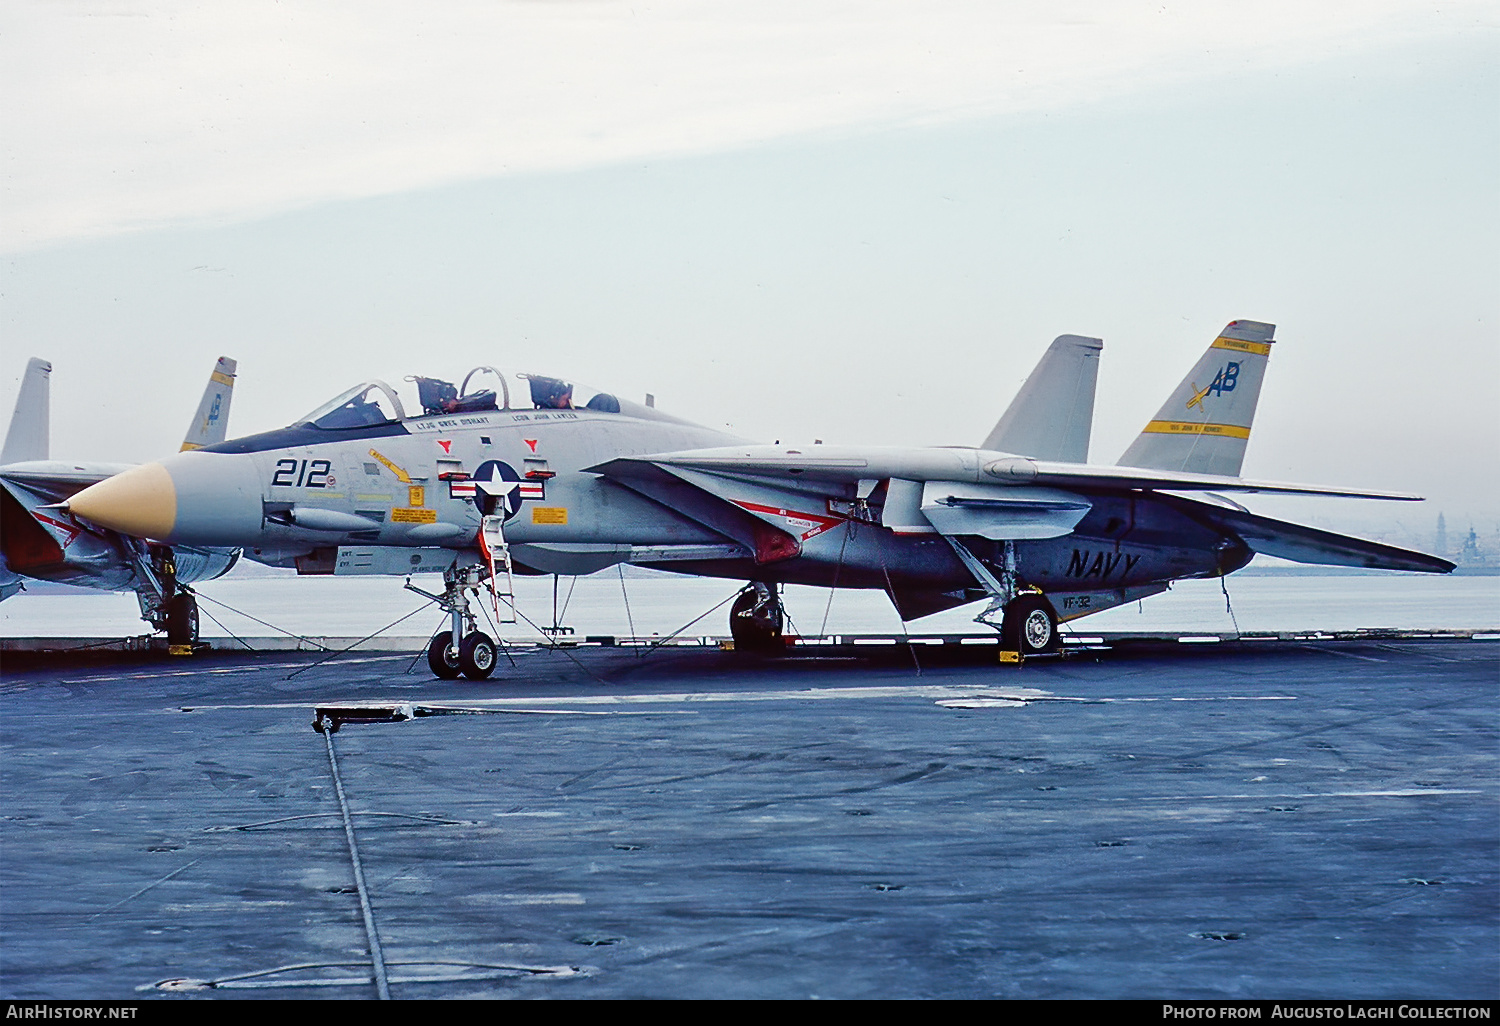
1030, 626
755, 621
476, 656
182, 619
443, 664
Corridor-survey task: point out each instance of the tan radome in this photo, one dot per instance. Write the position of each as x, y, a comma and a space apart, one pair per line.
141, 502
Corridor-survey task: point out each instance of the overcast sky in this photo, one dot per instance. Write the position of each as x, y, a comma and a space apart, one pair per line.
857, 222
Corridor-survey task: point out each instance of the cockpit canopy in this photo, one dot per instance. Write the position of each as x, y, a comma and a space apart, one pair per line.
364, 405
374, 402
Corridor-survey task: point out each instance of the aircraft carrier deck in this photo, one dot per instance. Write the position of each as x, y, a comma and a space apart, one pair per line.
1290, 817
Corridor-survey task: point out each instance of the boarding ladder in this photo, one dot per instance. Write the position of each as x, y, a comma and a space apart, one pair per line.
496, 552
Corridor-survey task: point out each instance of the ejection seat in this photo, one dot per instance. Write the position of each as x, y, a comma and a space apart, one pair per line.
439, 396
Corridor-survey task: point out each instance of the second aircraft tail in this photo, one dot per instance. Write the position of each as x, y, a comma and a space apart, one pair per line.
210, 424
1205, 424
29, 434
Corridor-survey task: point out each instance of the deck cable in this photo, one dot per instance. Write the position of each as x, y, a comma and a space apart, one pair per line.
377, 957
555, 647
500, 642
905, 635
848, 530
226, 630
143, 890
620, 568
248, 616
263, 979
572, 583
1229, 608
335, 654
422, 651
658, 643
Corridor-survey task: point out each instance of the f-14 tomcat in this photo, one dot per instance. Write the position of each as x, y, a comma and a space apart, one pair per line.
475, 486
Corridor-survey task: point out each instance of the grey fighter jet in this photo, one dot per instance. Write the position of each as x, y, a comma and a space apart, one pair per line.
478, 486
41, 540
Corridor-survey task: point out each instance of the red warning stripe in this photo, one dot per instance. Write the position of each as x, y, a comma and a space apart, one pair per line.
821, 521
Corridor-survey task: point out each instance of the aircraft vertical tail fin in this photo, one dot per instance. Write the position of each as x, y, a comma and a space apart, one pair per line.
211, 423
29, 434
1204, 426
1052, 415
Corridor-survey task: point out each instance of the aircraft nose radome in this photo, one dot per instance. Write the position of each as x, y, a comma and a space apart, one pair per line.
141, 502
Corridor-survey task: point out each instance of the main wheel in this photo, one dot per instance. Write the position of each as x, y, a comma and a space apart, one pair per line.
476, 656
182, 619
755, 620
441, 657
1030, 626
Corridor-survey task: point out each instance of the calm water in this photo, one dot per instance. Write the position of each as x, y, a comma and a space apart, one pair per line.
661, 604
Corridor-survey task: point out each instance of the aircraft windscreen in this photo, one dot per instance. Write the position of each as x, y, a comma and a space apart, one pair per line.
364, 405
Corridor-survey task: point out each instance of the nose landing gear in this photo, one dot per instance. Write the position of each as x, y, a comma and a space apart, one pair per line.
463, 649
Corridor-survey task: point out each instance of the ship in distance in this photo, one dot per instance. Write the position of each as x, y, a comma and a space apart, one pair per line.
479, 484
39, 540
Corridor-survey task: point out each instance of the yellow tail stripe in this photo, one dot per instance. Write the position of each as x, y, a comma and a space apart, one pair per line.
1259, 348
221, 379
1178, 427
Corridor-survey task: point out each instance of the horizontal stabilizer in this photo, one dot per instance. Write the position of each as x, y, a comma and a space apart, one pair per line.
28, 437
1309, 545
1052, 415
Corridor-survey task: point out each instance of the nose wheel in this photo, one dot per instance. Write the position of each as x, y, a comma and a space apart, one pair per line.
442, 658
474, 658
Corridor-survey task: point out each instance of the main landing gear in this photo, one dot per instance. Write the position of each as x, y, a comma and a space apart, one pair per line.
1028, 625
463, 649
182, 620
756, 619
166, 604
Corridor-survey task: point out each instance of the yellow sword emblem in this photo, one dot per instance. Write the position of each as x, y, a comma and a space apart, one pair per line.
1198, 394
